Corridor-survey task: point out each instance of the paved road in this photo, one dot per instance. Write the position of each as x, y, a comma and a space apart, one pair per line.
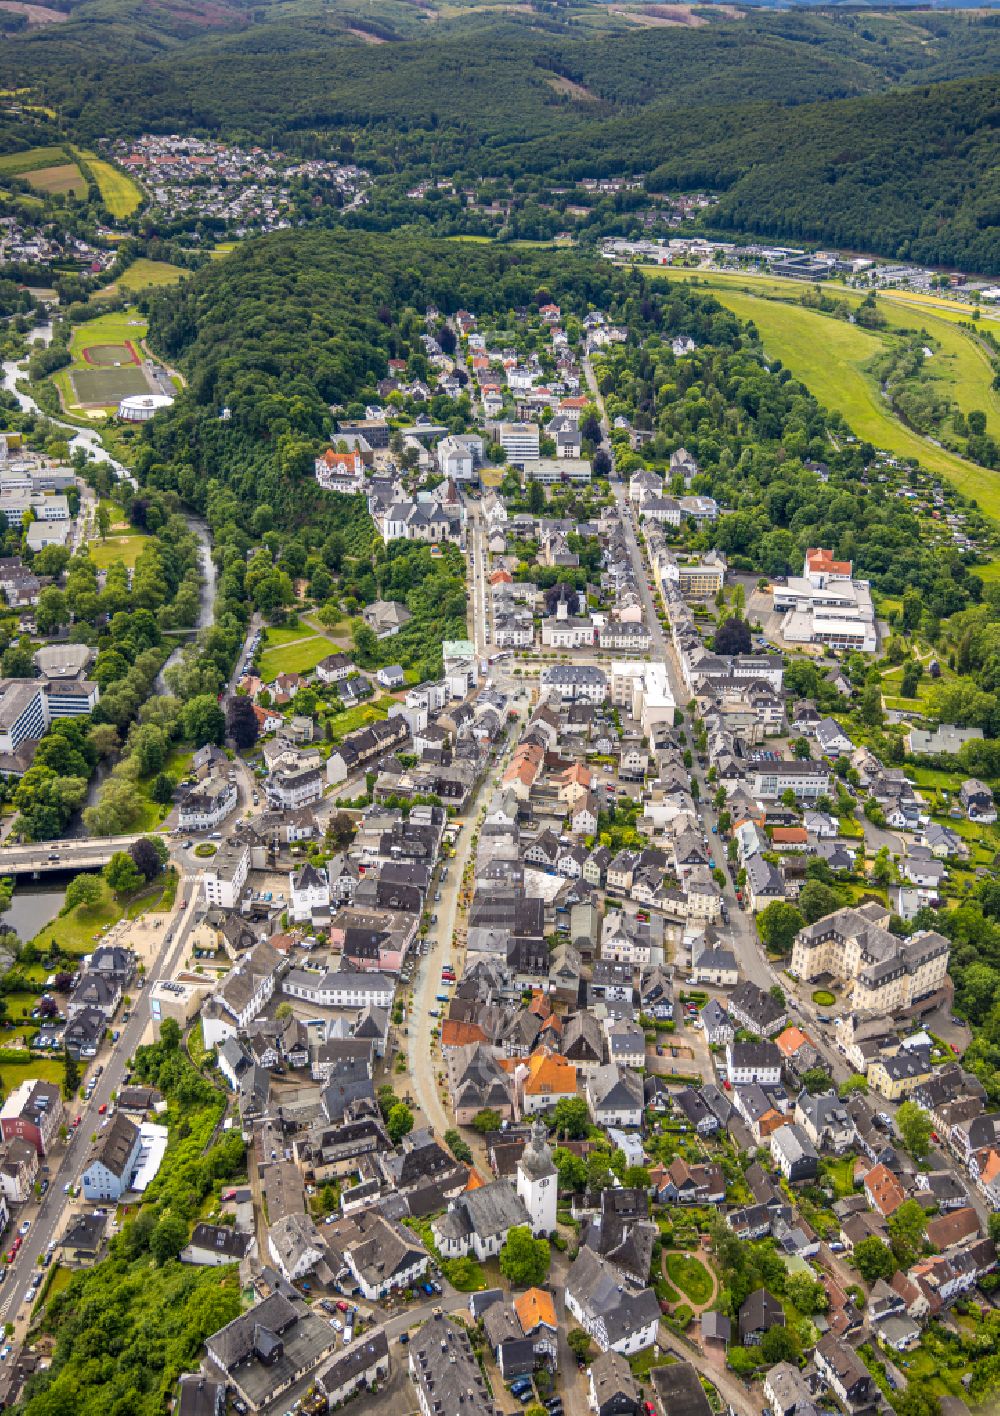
66, 1161
479, 601
445, 943
83, 853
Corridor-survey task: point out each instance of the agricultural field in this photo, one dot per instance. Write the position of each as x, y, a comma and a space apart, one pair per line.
65, 178
119, 193
47, 169
19, 164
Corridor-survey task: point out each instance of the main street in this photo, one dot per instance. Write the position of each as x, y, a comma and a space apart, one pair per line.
66, 1161
445, 944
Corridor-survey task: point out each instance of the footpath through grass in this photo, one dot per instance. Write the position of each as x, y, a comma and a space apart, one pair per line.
690, 1275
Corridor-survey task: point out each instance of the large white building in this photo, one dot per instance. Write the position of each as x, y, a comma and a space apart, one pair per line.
519, 441
226, 873
27, 709
644, 689
208, 804
140, 407
825, 605
310, 893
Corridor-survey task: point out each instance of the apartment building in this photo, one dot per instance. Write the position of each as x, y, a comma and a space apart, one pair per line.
882, 973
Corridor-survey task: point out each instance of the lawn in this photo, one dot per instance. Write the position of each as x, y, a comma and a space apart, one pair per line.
43, 1069
158, 897
74, 932
823, 998
119, 193
359, 717
989, 572
19, 1005
830, 356
115, 512
287, 633
940, 781
294, 658
126, 549
840, 1174
893, 681
691, 1276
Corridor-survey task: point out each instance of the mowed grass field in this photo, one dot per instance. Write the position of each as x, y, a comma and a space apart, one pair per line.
297, 657
126, 548
119, 193
830, 357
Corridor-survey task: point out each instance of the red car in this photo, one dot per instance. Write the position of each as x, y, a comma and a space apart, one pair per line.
102, 1108
342, 1306
77, 1121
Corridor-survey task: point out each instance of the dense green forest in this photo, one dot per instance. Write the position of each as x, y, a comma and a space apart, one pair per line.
864, 129
910, 173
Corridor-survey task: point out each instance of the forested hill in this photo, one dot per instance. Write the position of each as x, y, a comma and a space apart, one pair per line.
911, 173
300, 320
864, 129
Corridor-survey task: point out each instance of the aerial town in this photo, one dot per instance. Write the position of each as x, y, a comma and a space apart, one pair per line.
569, 1025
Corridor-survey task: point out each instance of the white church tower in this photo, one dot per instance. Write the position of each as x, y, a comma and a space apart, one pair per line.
538, 1182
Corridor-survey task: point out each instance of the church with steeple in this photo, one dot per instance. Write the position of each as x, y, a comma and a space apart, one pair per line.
538, 1182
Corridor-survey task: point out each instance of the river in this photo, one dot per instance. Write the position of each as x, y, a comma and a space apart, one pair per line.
31, 910
90, 440
87, 438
